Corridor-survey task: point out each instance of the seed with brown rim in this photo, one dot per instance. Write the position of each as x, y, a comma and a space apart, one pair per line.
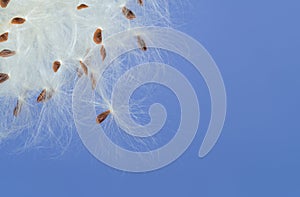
4, 37
84, 67
141, 43
103, 53
44, 96
82, 6
101, 117
4, 3
17, 109
18, 21
7, 53
3, 77
98, 36
140, 2
128, 13
56, 65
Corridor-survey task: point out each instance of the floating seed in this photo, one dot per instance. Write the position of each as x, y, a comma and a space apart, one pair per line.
44, 96
3, 77
4, 3
141, 43
56, 65
103, 53
100, 118
128, 13
94, 81
17, 109
18, 21
4, 37
98, 36
140, 2
84, 68
7, 53
82, 6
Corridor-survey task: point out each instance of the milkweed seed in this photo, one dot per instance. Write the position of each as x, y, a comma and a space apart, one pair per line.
3, 77
56, 65
84, 68
4, 3
140, 2
128, 13
103, 53
101, 117
18, 108
98, 36
4, 37
82, 6
141, 43
18, 21
7, 53
44, 96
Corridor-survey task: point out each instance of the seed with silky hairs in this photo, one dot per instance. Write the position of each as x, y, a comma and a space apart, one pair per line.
103, 53
7, 53
17, 109
101, 117
3, 77
140, 2
18, 21
4, 3
4, 37
141, 43
84, 67
98, 36
82, 6
56, 65
128, 13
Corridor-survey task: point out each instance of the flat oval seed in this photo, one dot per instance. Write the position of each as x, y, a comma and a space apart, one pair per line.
84, 68
98, 36
56, 65
4, 3
82, 6
17, 109
128, 13
4, 37
7, 53
140, 2
3, 77
101, 117
42, 96
141, 43
103, 53
18, 21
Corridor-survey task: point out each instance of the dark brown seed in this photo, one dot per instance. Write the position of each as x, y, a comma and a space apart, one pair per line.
84, 68
140, 2
141, 43
18, 21
17, 109
56, 65
101, 117
4, 3
98, 36
128, 13
4, 37
103, 53
44, 96
7, 53
82, 6
3, 77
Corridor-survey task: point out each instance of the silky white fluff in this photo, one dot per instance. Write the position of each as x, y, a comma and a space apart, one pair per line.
56, 30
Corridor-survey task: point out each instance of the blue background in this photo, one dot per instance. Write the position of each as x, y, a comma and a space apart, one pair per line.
256, 46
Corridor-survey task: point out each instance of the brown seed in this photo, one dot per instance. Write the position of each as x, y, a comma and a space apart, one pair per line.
103, 53
44, 96
56, 65
3, 77
82, 6
4, 3
7, 53
94, 81
17, 21
140, 2
17, 109
98, 36
141, 43
128, 13
101, 117
4, 37
84, 68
